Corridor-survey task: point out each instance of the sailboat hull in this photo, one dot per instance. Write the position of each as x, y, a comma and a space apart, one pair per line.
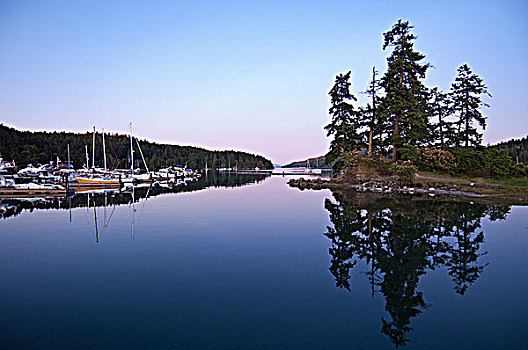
97, 181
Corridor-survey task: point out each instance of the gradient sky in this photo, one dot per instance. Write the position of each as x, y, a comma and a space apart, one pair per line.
243, 75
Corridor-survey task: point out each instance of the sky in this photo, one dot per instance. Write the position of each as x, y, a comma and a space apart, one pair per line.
242, 75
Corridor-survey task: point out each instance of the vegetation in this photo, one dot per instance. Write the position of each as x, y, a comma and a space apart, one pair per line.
466, 93
407, 121
316, 162
516, 149
42, 147
345, 123
405, 100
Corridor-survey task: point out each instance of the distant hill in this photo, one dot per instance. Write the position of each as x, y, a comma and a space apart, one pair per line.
42, 147
316, 162
517, 149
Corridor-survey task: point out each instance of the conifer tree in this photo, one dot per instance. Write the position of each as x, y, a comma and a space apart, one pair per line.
405, 95
466, 92
345, 122
372, 116
440, 109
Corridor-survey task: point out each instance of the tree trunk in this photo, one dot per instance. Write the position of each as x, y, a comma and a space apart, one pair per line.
467, 119
370, 142
395, 142
399, 114
459, 127
373, 110
441, 131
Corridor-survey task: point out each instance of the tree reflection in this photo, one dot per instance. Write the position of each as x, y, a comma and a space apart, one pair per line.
400, 240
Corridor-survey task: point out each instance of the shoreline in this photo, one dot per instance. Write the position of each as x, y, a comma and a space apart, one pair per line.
425, 187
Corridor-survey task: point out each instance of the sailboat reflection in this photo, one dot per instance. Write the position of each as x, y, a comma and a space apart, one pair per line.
123, 196
401, 240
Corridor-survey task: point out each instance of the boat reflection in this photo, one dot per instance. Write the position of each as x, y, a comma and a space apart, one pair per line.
128, 195
400, 240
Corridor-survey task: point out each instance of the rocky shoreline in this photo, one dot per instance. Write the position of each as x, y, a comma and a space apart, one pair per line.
388, 187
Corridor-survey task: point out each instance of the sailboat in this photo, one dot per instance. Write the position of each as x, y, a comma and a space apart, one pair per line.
97, 180
309, 170
138, 178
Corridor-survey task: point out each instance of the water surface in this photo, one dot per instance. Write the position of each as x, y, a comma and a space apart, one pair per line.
261, 265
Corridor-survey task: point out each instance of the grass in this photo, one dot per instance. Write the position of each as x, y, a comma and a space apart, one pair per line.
509, 181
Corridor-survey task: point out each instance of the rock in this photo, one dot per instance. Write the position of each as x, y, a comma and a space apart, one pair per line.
431, 189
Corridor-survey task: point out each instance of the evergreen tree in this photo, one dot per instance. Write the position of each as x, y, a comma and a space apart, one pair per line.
345, 122
372, 116
406, 95
466, 92
439, 110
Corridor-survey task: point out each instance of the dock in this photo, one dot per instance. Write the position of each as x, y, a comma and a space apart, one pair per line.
15, 192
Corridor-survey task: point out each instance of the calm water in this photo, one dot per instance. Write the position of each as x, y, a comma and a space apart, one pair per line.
262, 265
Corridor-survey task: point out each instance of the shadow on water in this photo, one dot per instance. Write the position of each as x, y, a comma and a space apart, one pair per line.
113, 197
400, 240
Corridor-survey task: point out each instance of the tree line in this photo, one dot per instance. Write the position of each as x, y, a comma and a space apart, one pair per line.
517, 149
42, 147
403, 117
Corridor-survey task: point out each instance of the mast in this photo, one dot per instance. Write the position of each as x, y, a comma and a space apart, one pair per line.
104, 152
68, 155
131, 151
93, 149
86, 151
141, 152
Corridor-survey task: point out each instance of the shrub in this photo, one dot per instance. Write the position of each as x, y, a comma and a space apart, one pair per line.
404, 172
436, 159
409, 153
381, 165
350, 160
483, 162
521, 170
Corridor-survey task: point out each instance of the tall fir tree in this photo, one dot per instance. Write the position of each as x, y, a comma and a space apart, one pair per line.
466, 94
372, 116
405, 95
345, 122
440, 108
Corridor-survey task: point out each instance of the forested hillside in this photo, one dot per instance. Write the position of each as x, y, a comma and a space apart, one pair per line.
316, 162
41, 147
517, 149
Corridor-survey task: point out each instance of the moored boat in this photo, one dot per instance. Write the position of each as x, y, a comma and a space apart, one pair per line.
97, 180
